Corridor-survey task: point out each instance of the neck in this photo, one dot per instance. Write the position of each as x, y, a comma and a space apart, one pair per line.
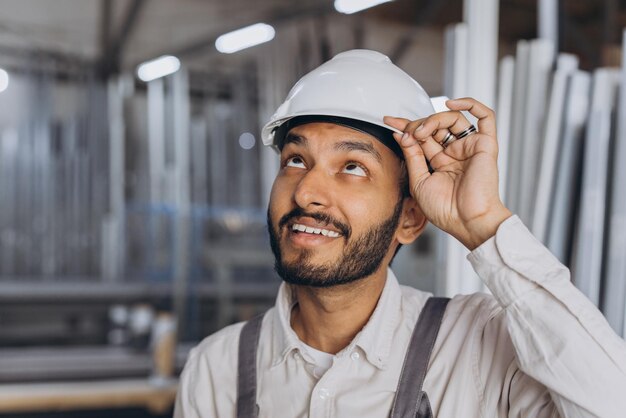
328, 319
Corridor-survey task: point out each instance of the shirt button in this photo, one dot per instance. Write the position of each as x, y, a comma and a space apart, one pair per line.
297, 355
324, 393
355, 356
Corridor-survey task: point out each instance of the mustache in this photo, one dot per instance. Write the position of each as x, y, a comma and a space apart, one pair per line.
345, 230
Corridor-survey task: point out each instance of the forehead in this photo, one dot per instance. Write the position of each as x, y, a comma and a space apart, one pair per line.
327, 128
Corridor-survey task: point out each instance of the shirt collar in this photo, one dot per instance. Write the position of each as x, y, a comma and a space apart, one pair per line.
374, 339
286, 338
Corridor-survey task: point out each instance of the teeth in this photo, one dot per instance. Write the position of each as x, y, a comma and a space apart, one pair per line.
318, 231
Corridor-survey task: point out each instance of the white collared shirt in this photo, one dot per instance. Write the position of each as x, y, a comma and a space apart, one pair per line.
537, 348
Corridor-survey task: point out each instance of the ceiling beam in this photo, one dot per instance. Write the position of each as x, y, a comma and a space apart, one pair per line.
106, 11
59, 57
111, 58
129, 24
206, 44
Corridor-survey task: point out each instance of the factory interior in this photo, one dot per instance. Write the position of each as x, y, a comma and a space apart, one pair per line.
134, 184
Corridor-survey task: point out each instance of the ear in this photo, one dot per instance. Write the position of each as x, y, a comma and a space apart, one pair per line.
412, 222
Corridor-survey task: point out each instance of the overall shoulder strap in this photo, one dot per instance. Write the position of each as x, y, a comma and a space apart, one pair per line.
409, 393
246, 368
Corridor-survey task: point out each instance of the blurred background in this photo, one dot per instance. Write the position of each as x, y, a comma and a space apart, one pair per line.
133, 184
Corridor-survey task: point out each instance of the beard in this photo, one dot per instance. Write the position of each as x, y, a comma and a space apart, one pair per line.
360, 258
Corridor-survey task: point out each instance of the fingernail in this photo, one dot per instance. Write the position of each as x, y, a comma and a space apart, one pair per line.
405, 136
419, 128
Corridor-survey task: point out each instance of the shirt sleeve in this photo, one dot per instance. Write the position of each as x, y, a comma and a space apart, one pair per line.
184, 406
560, 338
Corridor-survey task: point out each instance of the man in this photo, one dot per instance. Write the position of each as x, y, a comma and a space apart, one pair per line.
364, 165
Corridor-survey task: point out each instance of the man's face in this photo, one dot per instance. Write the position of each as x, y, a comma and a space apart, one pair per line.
334, 206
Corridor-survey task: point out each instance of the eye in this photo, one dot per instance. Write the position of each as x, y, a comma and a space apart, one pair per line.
355, 170
295, 161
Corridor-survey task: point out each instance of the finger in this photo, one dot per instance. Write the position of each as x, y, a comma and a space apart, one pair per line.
486, 117
402, 124
444, 135
431, 149
397, 123
429, 145
411, 126
429, 133
415, 161
471, 145
452, 121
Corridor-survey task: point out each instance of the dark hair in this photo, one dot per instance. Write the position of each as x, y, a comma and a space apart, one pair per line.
404, 192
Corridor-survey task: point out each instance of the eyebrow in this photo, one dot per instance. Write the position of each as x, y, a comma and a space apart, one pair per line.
340, 146
359, 146
295, 139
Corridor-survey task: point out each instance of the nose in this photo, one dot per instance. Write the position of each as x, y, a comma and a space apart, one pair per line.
313, 189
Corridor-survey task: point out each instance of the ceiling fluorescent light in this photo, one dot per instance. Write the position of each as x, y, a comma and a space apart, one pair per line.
157, 68
4, 80
244, 38
353, 6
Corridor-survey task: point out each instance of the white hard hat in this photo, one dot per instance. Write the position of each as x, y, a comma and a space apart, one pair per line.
357, 85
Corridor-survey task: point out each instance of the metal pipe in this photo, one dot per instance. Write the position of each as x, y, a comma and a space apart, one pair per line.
548, 20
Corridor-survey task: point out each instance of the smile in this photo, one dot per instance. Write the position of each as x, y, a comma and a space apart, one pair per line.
316, 231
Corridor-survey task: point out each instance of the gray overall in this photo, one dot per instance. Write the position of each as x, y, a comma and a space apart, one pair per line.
410, 400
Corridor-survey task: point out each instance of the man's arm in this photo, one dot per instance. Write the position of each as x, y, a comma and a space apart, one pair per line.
185, 404
209, 380
560, 338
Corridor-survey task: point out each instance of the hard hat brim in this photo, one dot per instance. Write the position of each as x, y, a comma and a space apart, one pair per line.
382, 134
